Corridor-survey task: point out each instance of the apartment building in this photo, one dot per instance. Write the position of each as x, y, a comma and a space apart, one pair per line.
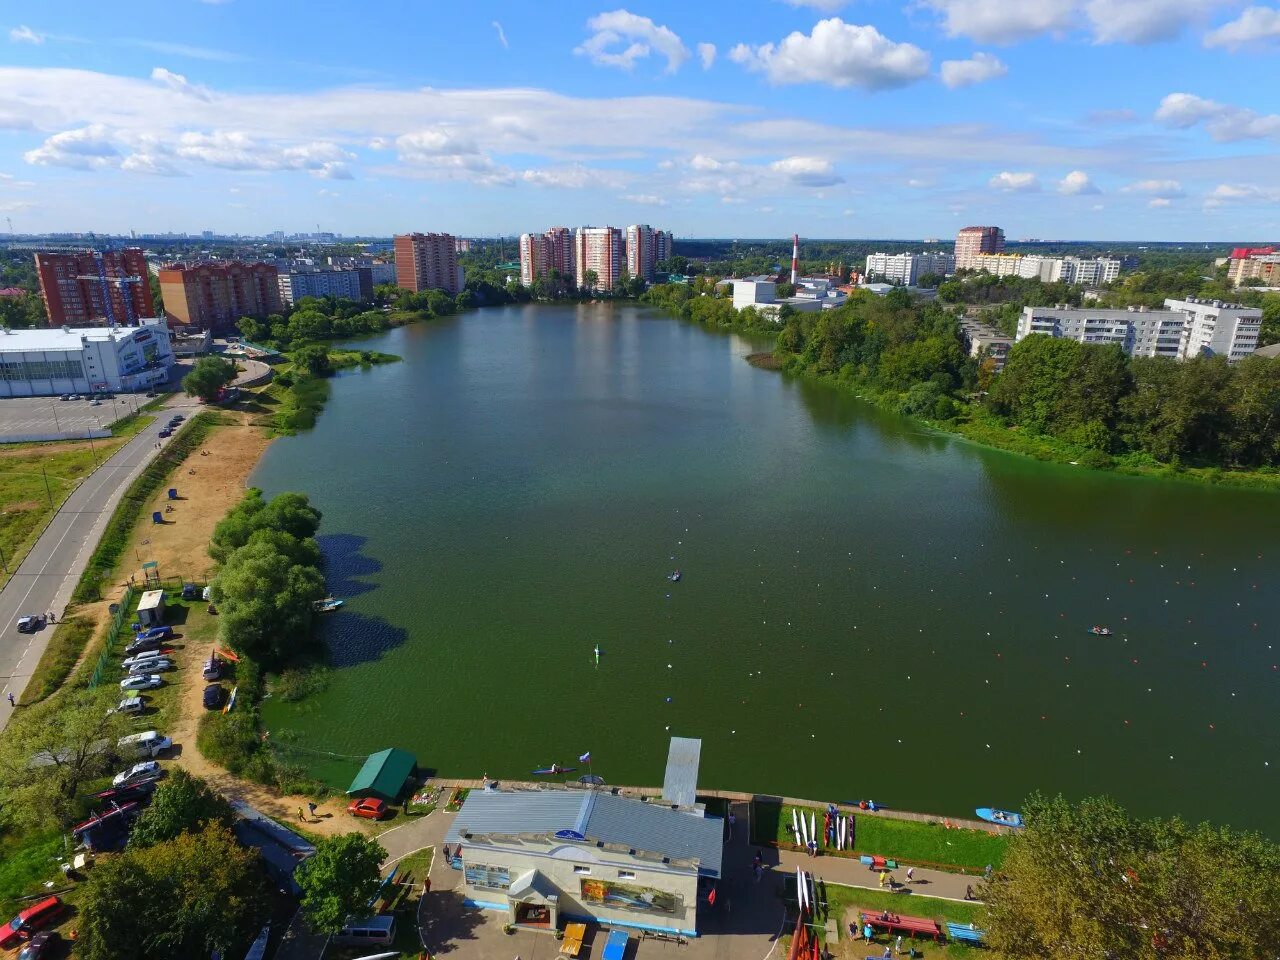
641, 251
428, 261
218, 293
1215, 328
1254, 263
599, 250
906, 268
975, 241
355, 284
1091, 272
75, 294
664, 245
541, 253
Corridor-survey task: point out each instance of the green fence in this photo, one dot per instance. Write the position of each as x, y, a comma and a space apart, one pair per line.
118, 620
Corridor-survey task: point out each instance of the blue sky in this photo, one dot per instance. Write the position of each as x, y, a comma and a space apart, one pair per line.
1073, 119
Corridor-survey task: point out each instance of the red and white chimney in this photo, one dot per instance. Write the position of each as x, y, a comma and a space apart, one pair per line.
795, 258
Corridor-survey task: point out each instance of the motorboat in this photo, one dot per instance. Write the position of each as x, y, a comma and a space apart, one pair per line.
1003, 818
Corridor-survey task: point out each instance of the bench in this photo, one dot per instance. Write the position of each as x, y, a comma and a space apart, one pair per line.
574, 934
965, 934
898, 923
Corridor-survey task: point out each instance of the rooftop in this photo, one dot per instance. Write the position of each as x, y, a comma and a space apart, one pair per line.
65, 338
680, 785
384, 773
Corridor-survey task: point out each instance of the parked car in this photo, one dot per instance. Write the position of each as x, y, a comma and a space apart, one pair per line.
158, 633
190, 591
131, 705
178, 418
212, 668
41, 946
139, 771
145, 655
151, 393
370, 808
214, 696
30, 624
144, 681
165, 433
143, 646
148, 744
95, 403
154, 665
65, 396
75, 396
24, 926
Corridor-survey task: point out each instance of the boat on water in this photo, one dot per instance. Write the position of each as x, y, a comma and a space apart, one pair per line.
674, 577
1100, 631
328, 604
1005, 818
552, 770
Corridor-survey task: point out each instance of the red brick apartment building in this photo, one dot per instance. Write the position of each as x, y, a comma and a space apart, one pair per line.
427, 261
72, 288
218, 293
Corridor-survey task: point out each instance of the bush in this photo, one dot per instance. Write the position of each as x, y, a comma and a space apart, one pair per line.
1096, 460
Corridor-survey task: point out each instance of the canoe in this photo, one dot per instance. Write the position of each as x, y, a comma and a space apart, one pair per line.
328, 604
551, 771
1005, 818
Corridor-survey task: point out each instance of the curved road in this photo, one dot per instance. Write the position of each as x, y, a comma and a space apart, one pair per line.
50, 571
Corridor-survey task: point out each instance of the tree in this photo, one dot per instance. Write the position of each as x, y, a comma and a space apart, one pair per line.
1087, 880
54, 748
339, 880
186, 897
253, 330
267, 602
182, 803
590, 279
207, 377
1253, 410
314, 359
288, 512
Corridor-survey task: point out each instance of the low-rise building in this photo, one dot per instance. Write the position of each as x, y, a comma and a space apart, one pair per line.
907, 268
754, 291
982, 339
48, 362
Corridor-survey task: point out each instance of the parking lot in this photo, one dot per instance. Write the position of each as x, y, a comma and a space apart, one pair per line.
48, 418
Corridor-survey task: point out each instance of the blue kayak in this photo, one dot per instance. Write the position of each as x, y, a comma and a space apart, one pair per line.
1004, 818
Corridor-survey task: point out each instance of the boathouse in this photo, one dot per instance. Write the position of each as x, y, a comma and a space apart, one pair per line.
571, 854
383, 775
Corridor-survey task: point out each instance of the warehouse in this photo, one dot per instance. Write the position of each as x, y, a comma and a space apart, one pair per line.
41, 363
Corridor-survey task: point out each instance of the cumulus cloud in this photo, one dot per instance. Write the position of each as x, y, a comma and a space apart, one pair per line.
1014, 182
707, 54
502, 35
429, 144
179, 84
1224, 122
644, 199
85, 148
822, 6
1158, 202
807, 171
977, 69
837, 53
24, 34
1004, 21
611, 30
1145, 21
1164, 190
1256, 26
1227, 193
1076, 183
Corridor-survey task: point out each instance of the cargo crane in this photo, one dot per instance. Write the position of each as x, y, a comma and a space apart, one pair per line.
104, 284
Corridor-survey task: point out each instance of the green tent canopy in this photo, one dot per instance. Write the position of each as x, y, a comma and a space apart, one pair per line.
383, 775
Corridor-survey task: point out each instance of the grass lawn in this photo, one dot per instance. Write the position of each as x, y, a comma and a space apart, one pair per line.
69, 639
909, 841
26, 863
840, 900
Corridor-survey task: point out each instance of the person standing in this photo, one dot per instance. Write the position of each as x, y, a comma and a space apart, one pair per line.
884, 878
301, 816
911, 874
311, 809
897, 947
732, 822
867, 932
11, 703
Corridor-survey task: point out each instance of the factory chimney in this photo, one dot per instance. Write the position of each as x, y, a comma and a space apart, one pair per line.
795, 258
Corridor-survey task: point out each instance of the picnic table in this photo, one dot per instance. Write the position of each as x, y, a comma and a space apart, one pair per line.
899, 923
616, 946
574, 933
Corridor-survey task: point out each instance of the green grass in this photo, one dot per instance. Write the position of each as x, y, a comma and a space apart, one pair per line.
840, 899
132, 505
70, 637
907, 841
299, 405
26, 863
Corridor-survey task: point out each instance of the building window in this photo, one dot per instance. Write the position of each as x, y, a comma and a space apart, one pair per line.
586, 871
626, 874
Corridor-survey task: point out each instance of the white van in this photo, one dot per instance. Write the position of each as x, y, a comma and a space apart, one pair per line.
148, 744
376, 930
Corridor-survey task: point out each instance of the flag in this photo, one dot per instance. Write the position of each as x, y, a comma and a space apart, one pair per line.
585, 758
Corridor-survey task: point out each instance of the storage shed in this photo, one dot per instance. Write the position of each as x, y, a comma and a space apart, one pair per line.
151, 608
383, 775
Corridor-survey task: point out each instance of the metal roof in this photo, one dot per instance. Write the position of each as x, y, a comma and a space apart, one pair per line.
56, 338
652, 828
680, 785
384, 774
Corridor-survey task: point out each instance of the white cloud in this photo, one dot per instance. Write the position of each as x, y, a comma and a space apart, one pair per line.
1165, 190
502, 35
1159, 202
428, 144
977, 69
1224, 122
1004, 21
24, 34
735, 201
154, 164
575, 177
609, 30
1014, 182
1076, 183
1145, 21
1257, 25
707, 54
807, 171
837, 53
1225, 193
86, 148
822, 6
644, 199
179, 84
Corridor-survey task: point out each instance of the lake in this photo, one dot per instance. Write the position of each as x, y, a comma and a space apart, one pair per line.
867, 609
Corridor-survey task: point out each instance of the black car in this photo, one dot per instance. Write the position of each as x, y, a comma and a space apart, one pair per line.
41, 946
213, 696
146, 643
151, 393
190, 591
166, 432
177, 418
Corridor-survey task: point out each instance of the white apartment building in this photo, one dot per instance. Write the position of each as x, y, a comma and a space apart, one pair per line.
905, 269
51, 361
320, 283
600, 250
641, 251
1215, 328
1048, 269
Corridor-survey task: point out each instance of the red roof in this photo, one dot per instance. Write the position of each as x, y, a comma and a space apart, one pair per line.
1239, 253
12, 292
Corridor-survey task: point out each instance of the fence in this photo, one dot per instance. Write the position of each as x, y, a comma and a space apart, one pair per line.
118, 619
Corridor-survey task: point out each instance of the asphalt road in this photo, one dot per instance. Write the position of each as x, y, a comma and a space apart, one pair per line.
47, 576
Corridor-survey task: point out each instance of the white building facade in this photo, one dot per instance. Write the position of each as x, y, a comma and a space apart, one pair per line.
1215, 328
1184, 329
904, 269
49, 362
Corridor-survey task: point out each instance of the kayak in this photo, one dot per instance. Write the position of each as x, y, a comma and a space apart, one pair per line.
552, 770
1100, 631
1004, 818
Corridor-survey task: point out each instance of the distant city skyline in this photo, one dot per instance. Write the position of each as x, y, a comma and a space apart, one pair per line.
1138, 120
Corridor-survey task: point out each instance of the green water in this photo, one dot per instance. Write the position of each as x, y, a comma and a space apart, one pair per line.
868, 610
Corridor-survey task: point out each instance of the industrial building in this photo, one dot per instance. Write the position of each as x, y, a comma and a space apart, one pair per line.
41, 363
85, 288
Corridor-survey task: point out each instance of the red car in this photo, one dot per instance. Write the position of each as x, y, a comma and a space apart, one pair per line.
40, 914
371, 808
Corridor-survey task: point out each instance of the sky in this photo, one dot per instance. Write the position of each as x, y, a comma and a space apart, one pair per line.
1056, 119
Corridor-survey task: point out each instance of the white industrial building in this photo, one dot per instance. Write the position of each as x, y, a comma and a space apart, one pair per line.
761, 293
905, 269
1186, 328
48, 362
754, 291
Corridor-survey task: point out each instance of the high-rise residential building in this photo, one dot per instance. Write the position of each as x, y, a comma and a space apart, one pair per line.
1215, 328
73, 289
598, 250
663, 245
974, 241
217, 293
540, 253
1254, 263
642, 251
428, 261
907, 268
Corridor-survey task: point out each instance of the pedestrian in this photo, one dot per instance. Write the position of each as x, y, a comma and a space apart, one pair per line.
867, 932
300, 816
987, 872
911, 874
732, 821
898, 946
11, 703
311, 809
968, 892
759, 872
888, 952
426, 885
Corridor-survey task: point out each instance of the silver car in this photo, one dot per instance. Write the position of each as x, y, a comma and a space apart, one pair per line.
145, 681
154, 665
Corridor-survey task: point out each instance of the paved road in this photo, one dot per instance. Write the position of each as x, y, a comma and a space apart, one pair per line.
47, 576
